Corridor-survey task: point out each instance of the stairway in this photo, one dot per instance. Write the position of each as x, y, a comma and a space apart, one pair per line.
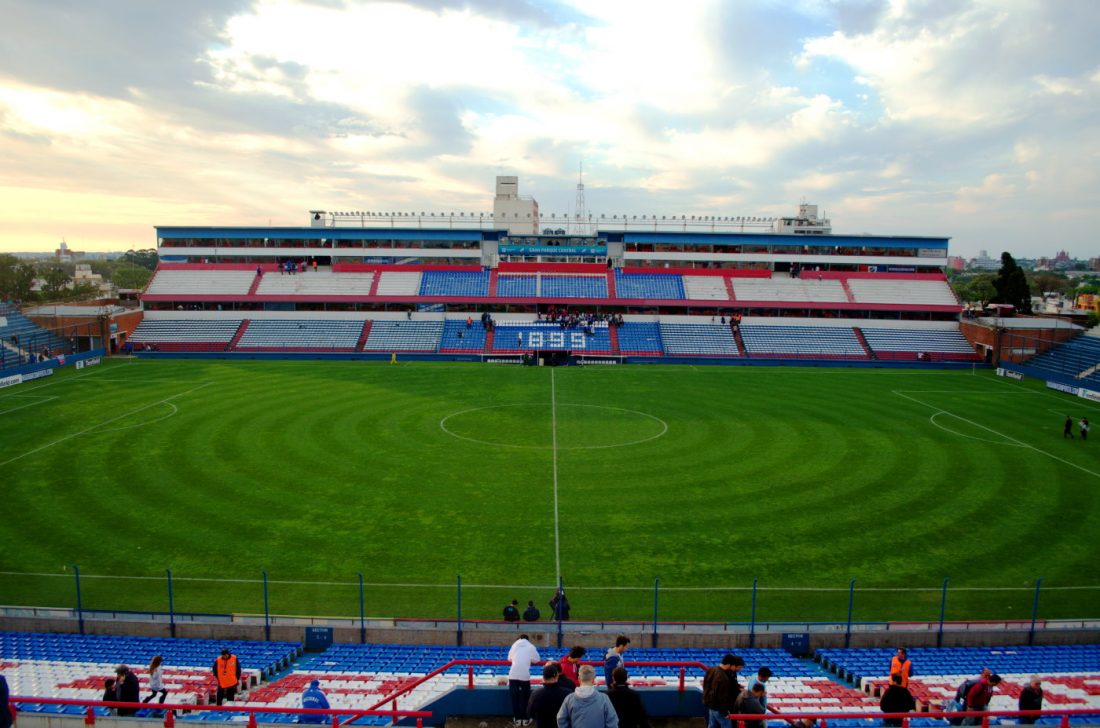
611, 284
363, 336
847, 291
493, 283
740, 343
613, 334
489, 341
864, 344
237, 336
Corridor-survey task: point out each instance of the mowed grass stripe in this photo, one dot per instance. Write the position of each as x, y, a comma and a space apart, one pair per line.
314, 470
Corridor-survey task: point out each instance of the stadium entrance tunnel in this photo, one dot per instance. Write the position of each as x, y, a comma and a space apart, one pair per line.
487, 701
561, 426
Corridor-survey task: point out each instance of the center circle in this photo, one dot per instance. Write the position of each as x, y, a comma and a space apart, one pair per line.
544, 426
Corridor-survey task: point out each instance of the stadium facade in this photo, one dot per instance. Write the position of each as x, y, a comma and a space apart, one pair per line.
368, 282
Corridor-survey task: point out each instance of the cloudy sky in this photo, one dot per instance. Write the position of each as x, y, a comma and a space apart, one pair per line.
975, 119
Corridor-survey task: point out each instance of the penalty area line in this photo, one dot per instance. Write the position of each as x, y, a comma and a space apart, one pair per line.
1020, 443
85, 431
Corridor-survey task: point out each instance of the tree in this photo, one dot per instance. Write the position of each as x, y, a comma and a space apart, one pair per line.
56, 282
16, 279
974, 288
1011, 285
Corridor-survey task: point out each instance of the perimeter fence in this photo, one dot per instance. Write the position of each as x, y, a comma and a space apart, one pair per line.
655, 608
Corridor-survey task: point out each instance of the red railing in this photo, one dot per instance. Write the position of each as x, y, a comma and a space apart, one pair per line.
823, 718
171, 708
471, 664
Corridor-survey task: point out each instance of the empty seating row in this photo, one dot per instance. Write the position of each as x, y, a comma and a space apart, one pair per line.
899, 290
454, 283
801, 341
197, 282
204, 330
698, 339
649, 285
316, 283
517, 286
789, 289
706, 288
404, 336
394, 283
640, 337
886, 341
303, 334
573, 286
1075, 358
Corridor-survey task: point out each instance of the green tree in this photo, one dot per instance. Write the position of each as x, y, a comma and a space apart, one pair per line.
16, 279
56, 281
1011, 285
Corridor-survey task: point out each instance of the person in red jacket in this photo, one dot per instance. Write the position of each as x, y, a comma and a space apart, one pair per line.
979, 696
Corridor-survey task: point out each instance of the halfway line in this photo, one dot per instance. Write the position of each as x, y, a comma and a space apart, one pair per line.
554, 447
101, 424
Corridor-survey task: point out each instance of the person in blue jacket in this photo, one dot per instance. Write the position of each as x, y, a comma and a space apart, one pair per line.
314, 699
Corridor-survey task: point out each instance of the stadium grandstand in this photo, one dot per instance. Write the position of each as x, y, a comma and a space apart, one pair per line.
710, 289
58, 675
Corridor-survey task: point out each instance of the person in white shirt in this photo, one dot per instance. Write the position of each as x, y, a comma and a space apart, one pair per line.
521, 656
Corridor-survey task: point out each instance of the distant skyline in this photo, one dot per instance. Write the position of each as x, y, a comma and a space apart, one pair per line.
970, 119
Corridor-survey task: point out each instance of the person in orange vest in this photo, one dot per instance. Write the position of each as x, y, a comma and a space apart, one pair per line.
227, 671
900, 664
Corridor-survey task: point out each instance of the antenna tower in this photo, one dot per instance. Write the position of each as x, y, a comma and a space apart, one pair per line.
579, 211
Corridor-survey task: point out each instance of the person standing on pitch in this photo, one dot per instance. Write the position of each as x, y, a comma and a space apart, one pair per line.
1067, 429
1083, 426
227, 671
520, 657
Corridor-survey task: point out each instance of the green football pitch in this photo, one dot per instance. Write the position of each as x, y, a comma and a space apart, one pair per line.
615, 479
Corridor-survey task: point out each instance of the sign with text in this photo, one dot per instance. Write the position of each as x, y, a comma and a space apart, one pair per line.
558, 340
552, 250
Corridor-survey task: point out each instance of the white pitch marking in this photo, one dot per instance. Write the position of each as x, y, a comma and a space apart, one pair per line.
38, 400
101, 424
175, 411
554, 442
932, 419
443, 426
1052, 456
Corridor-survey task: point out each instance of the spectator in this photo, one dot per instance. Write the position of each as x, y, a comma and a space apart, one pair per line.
586, 707
521, 655
1031, 698
761, 678
126, 689
979, 696
1083, 426
896, 699
531, 614
227, 671
559, 605
570, 664
156, 679
627, 703
511, 611
900, 664
720, 690
5, 710
614, 658
314, 699
751, 701
545, 702
109, 692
